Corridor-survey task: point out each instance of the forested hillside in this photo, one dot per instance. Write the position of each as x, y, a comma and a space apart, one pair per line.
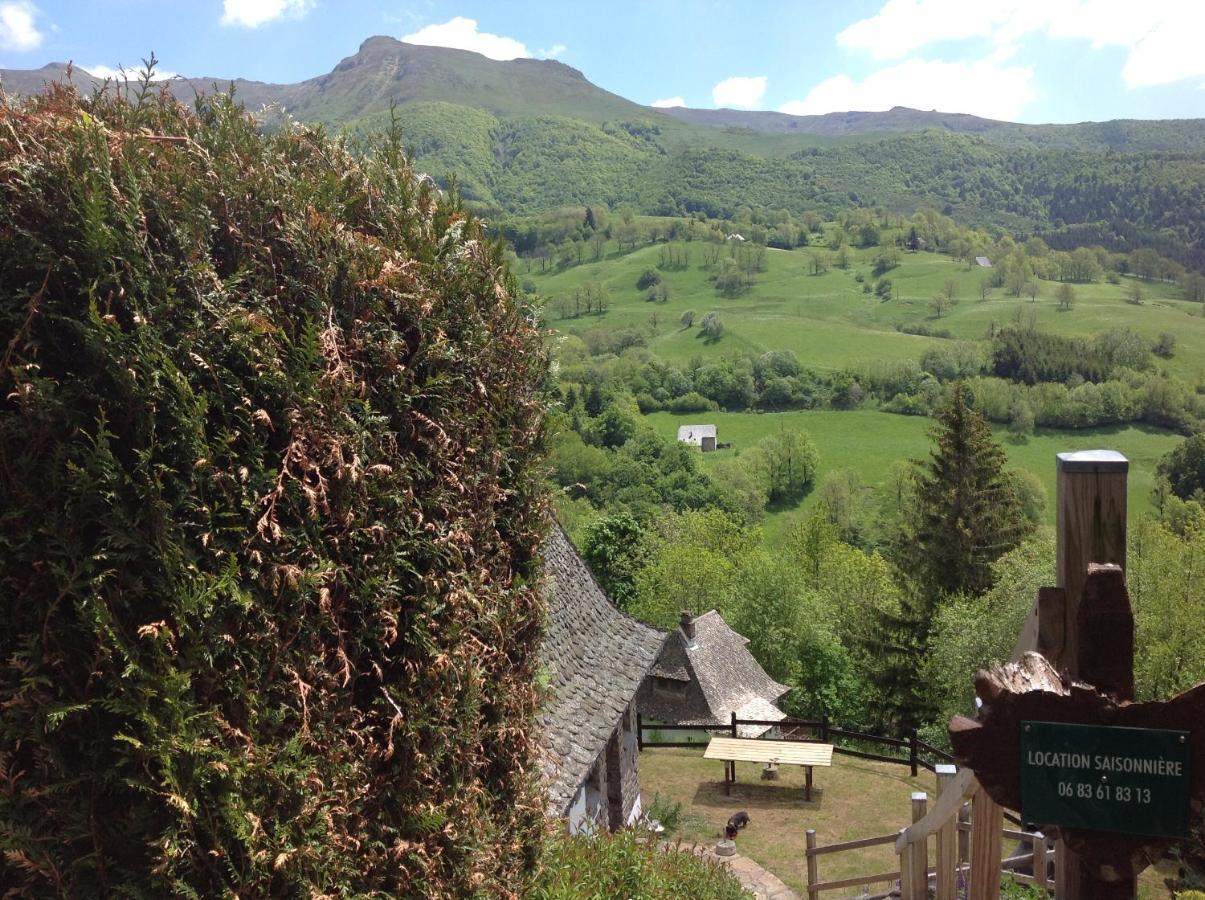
526, 136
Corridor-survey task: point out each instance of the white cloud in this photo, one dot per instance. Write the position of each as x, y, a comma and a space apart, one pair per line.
554, 51
1161, 36
741, 92
253, 13
462, 34
985, 87
18, 30
121, 73
668, 102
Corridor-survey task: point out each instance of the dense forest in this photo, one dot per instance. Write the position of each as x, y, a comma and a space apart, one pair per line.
1071, 198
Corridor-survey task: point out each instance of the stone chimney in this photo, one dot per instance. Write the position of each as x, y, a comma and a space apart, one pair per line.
688, 627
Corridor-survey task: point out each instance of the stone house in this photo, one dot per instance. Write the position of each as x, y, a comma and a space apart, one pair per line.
704, 674
594, 658
701, 436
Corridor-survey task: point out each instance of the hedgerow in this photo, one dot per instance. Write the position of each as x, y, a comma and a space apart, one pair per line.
270, 429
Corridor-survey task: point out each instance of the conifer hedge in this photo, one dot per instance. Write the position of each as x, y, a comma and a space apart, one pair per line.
270, 429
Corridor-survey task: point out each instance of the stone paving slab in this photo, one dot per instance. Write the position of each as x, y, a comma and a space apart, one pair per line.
762, 884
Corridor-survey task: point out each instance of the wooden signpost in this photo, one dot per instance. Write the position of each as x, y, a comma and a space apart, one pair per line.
1059, 737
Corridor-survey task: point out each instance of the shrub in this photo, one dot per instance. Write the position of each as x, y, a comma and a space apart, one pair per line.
648, 278
711, 326
628, 864
688, 403
270, 497
688, 318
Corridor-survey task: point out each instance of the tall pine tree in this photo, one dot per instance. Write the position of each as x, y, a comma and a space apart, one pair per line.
966, 515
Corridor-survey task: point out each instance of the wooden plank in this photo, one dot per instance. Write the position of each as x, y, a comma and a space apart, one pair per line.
986, 847
853, 845
857, 881
785, 753
947, 804
919, 866
1040, 866
947, 839
906, 889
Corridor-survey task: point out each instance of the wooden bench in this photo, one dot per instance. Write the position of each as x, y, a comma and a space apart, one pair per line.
783, 753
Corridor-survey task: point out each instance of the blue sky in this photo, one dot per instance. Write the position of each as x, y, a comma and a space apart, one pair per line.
1025, 60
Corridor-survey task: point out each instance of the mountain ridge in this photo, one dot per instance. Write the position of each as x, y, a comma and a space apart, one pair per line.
384, 69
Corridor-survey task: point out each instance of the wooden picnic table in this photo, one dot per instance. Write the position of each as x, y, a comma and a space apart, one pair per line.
783, 753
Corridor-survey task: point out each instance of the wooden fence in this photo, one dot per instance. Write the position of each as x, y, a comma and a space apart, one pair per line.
968, 847
920, 755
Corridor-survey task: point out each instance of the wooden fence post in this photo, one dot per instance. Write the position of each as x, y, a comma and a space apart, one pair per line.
1040, 863
906, 892
912, 753
734, 724
639, 733
824, 728
1091, 529
964, 836
947, 844
987, 844
813, 865
919, 866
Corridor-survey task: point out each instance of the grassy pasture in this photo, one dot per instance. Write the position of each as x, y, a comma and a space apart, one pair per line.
830, 323
868, 442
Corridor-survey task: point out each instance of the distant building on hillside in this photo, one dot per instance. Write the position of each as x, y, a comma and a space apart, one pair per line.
596, 658
704, 674
983, 261
735, 237
702, 436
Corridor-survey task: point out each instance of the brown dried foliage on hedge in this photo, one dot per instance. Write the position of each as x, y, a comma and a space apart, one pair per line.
270, 429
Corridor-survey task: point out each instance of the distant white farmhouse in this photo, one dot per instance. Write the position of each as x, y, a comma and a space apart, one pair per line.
735, 237
983, 261
702, 436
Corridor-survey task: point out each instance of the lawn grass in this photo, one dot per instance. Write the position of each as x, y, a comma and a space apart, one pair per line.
853, 799
869, 441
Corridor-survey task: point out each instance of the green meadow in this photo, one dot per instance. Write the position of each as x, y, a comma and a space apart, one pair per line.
831, 323
868, 442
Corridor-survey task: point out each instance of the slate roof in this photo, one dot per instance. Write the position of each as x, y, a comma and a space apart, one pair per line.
729, 679
596, 658
983, 261
694, 434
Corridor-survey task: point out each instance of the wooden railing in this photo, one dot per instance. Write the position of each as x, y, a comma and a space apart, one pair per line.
968, 847
921, 755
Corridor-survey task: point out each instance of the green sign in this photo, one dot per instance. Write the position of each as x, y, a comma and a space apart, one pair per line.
1096, 777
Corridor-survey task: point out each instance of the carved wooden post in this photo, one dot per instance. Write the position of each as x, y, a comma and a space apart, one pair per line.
919, 865
1091, 529
987, 846
947, 842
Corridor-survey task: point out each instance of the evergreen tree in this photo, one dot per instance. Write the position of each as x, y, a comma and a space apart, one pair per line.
966, 516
